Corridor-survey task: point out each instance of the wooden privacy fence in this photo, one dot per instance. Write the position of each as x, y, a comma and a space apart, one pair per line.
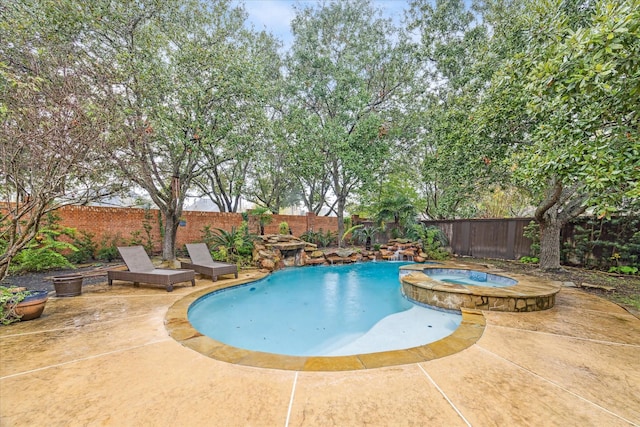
584, 240
486, 238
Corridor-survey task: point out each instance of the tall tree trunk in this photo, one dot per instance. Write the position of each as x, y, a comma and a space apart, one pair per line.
169, 239
340, 214
550, 243
561, 204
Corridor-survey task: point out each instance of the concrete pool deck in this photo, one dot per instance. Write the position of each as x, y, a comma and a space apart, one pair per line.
106, 358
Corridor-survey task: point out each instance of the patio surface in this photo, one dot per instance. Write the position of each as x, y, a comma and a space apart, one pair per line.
106, 358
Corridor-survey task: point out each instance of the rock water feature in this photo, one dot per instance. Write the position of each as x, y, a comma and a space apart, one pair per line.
276, 251
402, 250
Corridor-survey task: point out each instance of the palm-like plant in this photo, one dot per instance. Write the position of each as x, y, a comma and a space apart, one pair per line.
238, 241
310, 236
350, 233
366, 235
263, 216
399, 209
326, 238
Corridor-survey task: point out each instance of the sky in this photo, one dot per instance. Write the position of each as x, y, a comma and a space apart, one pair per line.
275, 16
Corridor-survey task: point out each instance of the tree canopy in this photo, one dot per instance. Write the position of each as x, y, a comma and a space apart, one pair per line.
565, 102
345, 70
457, 106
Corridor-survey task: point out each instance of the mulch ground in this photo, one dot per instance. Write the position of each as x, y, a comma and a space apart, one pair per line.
42, 281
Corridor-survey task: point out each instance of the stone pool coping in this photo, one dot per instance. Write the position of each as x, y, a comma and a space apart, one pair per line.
180, 329
528, 294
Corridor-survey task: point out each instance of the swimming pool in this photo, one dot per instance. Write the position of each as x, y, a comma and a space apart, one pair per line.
321, 311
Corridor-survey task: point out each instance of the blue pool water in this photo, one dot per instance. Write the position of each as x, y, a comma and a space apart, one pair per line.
458, 276
321, 311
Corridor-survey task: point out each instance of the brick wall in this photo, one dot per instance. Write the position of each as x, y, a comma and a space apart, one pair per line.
299, 224
105, 222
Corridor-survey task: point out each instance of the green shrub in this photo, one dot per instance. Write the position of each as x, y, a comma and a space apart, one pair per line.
283, 228
326, 238
109, 248
230, 246
4, 243
263, 217
396, 233
45, 251
147, 225
529, 260
532, 232
220, 255
320, 237
431, 240
310, 236
86, 248
624, 269
604, 242
40, 259
207, 235
135, 239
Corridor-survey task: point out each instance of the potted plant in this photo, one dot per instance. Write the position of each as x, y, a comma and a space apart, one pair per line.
21, 304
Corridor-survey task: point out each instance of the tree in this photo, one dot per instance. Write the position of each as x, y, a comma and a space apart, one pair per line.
239, 119
306, 163
566, 102
161, 69
51, 127
224, 180
456, 164
272, 184
395, 190
503, 202
345, 70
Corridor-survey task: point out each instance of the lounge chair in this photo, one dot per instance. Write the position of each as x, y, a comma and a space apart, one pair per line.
202, 262
141, 270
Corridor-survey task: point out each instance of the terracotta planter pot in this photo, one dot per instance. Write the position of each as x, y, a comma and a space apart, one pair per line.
32, 306
68, 286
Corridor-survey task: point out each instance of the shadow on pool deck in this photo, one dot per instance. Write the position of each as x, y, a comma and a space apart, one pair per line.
106, 358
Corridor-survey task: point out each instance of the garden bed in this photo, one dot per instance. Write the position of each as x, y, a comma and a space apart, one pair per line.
42, 281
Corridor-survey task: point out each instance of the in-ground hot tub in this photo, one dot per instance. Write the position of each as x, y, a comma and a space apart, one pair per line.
454, 286
458, 276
